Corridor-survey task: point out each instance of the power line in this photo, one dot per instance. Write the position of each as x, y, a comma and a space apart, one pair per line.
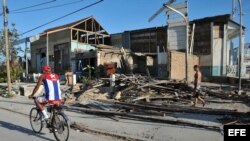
36, 5
39, 9
62, 17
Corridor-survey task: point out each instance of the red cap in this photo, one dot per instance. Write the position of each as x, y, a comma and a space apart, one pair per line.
46, 69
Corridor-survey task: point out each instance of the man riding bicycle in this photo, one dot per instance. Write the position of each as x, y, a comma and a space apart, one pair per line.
52, 94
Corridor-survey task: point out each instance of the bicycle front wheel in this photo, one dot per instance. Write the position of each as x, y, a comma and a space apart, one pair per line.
60, 127
35, 120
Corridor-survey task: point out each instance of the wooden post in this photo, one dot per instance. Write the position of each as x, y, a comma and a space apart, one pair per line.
6, 42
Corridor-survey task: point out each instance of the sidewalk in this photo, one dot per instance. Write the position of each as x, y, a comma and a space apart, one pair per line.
130, 128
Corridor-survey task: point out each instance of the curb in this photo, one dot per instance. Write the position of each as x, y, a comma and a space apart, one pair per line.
81, 127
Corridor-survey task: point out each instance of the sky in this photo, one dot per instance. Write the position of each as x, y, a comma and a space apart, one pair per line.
114, 15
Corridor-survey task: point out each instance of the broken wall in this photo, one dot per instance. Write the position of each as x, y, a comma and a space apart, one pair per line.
117, 58
144, 62
162, 65
178, 67
206, 66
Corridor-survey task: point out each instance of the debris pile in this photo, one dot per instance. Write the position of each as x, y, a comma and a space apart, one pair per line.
144, 98
94, 93
138, 87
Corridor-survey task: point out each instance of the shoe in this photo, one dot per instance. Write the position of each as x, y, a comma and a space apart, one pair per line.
193, 105
204, 104
45, 118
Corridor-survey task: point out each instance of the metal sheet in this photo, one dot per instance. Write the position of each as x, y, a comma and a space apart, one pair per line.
177, 37
179, 5
183, 11
176, 22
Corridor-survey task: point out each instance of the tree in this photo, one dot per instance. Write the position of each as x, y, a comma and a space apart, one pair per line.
14, 50
13, 47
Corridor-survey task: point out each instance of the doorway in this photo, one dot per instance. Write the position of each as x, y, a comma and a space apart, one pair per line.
61, 58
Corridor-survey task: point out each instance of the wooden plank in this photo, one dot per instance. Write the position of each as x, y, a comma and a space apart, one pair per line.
97, 33
174, 108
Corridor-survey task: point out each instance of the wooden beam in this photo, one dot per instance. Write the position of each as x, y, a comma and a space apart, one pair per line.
91, 32
85, 26
81, 21
92, 25
71, 35
50, 32
77, 37
174, 108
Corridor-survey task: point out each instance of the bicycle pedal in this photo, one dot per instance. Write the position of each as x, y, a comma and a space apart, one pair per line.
49, 126
51, 130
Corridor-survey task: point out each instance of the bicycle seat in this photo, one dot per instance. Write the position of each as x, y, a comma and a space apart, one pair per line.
56, 106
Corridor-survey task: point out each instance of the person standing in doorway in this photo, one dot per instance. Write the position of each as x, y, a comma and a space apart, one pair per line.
197, 86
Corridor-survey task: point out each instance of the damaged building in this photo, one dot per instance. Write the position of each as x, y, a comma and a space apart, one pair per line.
160, 49
157, 51
213, 43
74, 46
145, 46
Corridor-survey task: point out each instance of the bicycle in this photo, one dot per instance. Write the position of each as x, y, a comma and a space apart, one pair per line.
57, 122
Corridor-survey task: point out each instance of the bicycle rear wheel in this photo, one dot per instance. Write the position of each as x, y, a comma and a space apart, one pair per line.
35, 120
60, 127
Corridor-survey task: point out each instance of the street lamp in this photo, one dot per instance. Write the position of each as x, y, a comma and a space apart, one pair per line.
167, 6
187, 23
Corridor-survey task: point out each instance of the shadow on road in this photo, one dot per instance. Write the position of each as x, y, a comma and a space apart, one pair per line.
21, 129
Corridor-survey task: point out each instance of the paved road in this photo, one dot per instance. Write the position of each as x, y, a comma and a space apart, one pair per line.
16, 127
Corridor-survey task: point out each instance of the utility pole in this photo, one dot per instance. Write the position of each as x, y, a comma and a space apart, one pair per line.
240, 47
47, 49
233, 9
6, 43
26, 58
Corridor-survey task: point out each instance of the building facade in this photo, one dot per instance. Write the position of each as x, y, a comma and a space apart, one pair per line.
60, 46
246, 58
212, 42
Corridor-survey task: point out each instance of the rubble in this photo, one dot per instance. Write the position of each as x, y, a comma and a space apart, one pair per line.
94, 93
4, 91
145, 98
